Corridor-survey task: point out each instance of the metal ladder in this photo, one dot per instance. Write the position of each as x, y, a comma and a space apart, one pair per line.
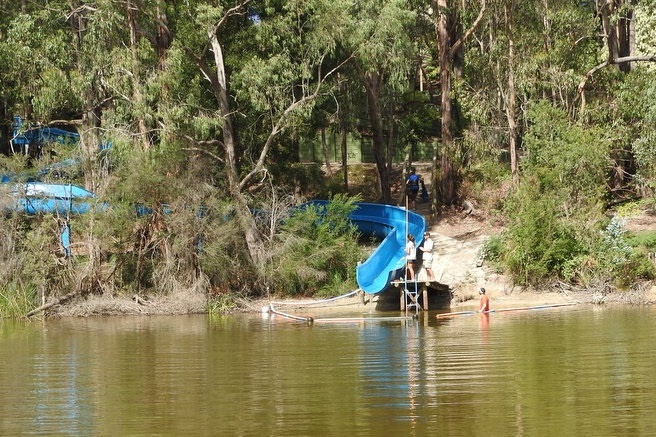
411, 296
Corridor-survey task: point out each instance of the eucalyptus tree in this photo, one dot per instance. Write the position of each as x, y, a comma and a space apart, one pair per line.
381, 36
526, 51
448, 16
35, 46
636, 103
60, 54
618, 34
12, 51
146, 21
263, 62
622, 23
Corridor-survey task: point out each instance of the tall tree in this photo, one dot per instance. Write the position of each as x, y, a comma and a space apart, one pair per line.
616, 18
380, 35
449, 45
276, 83
617, 23
511, 95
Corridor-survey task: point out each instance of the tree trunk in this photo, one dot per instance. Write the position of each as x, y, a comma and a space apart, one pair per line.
512, 95
90, 126
449, 45
137, 97
445, 62
246, 220
372, 85
342, 141
343, 137
390, 145
164, 37
617, 30
5, 129
326, 152
623, 26
607, 9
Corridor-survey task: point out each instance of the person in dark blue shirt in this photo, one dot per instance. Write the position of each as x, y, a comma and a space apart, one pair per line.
412, 184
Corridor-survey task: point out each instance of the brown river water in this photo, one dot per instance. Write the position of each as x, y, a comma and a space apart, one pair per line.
579, 370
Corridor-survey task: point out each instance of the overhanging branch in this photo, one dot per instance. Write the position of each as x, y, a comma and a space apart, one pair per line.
581, 88
456, 46
279, 126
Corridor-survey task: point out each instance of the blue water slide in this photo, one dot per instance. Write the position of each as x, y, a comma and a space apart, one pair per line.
390, 224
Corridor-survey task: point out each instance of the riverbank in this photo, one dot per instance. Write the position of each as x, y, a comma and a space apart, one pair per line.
459, 238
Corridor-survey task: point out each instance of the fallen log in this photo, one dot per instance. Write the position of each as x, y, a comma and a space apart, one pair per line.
44, 307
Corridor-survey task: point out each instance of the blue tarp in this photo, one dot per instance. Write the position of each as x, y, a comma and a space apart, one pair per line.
62, 199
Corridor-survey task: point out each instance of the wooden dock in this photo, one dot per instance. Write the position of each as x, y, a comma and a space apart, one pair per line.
423, 287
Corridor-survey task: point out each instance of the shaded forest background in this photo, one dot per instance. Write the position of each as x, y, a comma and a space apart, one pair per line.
541, 112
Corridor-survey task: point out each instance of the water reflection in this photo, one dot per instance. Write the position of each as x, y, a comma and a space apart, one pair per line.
570, 371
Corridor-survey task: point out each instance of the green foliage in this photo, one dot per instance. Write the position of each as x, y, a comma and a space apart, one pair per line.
493, 249
147, 177
16, 301
569, 161
538, 242
646, 239
221, 304
18, 294
633, 119
616, 256
381, 34
557, 208
32, 263
224, 258
316, 251
645, 17
14, 164
157, 101
305, 178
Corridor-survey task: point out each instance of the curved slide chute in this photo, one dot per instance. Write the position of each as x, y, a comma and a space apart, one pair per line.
391, 224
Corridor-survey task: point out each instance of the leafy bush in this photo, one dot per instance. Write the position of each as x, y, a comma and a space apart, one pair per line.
316, 251
557, 208
620, 259
612, 258
16, 300
645, 239
493, 249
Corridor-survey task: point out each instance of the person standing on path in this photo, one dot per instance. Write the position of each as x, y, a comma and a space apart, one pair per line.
410, 257
485, 301
412, 184
427, 255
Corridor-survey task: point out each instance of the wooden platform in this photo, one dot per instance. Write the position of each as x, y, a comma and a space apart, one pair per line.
423, 288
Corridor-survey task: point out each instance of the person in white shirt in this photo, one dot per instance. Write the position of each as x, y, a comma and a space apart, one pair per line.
427, 255
410, 257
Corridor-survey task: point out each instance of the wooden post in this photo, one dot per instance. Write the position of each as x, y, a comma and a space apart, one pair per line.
424, 290
402, 298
